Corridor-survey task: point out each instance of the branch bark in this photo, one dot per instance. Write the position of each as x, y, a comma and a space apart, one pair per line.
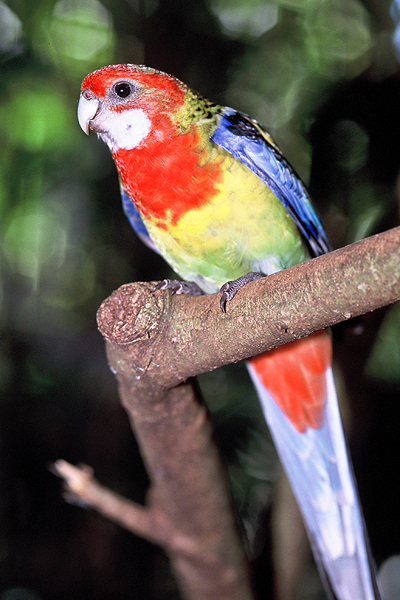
170, 338
156, 341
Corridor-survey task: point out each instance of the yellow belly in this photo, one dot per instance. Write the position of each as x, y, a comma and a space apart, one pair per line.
244, 227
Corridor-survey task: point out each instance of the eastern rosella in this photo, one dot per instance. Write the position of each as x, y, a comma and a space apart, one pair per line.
206, 187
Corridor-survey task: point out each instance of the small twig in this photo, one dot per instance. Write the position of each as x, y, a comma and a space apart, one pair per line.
82, 488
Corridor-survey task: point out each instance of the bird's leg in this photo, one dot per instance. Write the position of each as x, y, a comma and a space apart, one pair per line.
178, 287
229, 289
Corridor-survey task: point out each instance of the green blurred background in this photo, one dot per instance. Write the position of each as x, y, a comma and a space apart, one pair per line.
323, 77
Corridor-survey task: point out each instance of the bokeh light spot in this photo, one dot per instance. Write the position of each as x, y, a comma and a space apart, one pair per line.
245, 19
354, 145
395, 14
34, 242
270, 100
37, 119
338, 32
300, 6
72, 284
384, 361
10, 32
80, 30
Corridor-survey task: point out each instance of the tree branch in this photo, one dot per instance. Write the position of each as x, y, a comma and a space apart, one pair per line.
156, 341
170, 338
188, 510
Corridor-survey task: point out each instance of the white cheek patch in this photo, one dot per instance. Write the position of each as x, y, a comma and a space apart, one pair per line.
126, 129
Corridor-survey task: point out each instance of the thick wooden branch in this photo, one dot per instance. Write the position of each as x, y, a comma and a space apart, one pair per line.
188, 511
170, 338
156, 341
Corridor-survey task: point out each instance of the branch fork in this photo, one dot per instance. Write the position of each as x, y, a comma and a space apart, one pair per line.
156, 342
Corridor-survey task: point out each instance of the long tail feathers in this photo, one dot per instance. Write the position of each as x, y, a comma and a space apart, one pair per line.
305, 424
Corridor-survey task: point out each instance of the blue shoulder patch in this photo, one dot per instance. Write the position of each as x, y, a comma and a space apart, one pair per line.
135, 220
246, 140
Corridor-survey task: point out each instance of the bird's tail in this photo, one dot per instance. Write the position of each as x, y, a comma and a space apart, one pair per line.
296, 389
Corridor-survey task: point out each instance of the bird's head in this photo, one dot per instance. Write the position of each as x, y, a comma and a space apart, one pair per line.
124, 104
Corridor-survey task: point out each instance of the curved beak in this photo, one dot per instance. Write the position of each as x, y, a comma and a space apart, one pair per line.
87, 110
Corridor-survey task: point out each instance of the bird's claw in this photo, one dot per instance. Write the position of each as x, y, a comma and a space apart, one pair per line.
230, 288
178, 287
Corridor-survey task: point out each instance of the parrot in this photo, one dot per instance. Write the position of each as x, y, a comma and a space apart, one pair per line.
208, 188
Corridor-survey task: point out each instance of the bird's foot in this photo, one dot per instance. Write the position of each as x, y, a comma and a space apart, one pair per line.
230, 288
178, 287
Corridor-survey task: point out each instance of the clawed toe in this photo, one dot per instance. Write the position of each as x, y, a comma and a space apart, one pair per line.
230, 288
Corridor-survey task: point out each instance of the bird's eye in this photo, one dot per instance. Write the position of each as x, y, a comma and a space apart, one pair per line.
122, 89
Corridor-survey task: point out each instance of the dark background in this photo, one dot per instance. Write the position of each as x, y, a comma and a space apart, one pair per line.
323, 78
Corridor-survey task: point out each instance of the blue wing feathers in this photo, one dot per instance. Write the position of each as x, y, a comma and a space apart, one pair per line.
247, 141
136, 221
